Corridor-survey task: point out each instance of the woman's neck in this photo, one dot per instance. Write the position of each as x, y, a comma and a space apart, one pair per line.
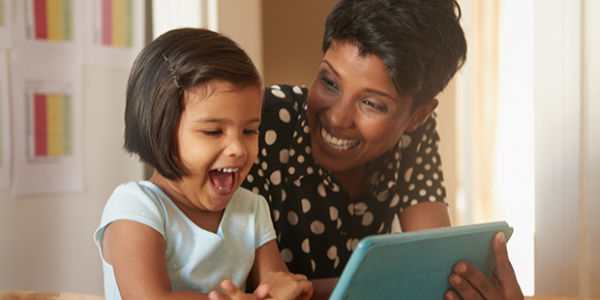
353, 180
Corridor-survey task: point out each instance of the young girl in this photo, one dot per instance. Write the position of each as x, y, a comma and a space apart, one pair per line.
193, 110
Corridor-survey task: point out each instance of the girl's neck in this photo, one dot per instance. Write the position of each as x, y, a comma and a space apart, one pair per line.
207, 220
353, 180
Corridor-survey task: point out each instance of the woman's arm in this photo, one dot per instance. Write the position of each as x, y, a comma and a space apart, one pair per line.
424, 215
323, 288
137, 254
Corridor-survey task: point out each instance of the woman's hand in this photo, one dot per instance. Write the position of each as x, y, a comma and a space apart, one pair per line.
472, 284
234, 293
288, 286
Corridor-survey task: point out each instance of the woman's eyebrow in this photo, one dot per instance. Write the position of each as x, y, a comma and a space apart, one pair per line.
331, 68
380, 93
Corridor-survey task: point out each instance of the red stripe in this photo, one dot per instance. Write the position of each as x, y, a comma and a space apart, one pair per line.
41, 129
107, 22
40, 19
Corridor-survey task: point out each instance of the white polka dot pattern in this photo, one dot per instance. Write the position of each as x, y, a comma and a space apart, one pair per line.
318, 225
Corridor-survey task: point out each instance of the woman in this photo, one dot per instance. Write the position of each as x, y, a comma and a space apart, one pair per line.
339, 160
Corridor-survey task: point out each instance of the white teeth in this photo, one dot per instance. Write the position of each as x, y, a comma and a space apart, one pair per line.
337, 143
228, 170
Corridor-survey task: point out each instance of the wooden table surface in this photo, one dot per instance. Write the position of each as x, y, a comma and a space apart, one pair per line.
552, 298
71, 296
19, 295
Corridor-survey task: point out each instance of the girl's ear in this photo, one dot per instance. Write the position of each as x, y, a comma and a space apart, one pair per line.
421, 114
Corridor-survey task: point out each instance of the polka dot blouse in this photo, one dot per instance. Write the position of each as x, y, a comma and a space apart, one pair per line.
318, 225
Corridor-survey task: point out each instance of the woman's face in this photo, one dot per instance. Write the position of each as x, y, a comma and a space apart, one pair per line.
354, 111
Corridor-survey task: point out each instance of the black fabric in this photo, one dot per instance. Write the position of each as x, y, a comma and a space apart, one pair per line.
318, 225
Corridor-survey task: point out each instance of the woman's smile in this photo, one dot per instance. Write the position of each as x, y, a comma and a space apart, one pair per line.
337, 143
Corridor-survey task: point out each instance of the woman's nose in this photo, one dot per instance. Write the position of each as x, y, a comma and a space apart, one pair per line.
339, 114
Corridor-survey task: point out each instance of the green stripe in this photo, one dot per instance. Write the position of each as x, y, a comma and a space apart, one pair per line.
67, 15
67, 125
1, 24
129, 23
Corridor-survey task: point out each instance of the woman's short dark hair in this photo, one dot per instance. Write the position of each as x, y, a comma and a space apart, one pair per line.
179, 60
420, 41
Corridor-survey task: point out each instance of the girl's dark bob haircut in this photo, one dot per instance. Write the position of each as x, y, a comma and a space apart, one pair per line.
180, 60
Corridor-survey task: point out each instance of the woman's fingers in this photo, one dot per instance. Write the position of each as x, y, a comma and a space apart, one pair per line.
503, 269
472, 284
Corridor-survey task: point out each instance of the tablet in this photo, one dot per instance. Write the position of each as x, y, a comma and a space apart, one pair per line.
416, 265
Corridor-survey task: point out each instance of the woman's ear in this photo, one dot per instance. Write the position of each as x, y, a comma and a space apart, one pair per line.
421, 114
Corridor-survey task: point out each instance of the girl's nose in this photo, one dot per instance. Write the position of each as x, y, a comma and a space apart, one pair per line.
339, 114
236, 147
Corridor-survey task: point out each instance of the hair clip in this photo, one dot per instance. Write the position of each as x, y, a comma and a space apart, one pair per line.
171, 69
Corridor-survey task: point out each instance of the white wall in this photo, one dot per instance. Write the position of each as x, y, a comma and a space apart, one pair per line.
567, 147
46, 242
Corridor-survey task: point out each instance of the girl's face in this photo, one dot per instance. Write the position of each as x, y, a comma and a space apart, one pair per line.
218, 142
354, 111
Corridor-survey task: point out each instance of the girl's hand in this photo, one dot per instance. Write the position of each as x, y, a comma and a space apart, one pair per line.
472, 284
288, 286
234, 293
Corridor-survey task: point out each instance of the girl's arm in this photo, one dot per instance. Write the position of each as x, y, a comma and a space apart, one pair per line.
137, 254
270, 269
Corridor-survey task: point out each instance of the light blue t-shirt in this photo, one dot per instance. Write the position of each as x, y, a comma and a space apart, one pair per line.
197, 260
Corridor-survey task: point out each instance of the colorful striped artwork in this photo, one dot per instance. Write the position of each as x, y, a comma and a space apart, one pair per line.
53, 19
117, 23
52, 125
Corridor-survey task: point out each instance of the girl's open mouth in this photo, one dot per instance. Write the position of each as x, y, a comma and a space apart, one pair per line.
223, 179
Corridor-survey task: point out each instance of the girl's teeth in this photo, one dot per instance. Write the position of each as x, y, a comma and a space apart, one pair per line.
337, 143
228, 170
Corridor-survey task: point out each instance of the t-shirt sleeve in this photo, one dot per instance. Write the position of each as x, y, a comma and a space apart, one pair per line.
263, 226
421, 165
130, 202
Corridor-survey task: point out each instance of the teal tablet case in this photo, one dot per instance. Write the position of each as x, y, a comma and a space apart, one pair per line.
416, 265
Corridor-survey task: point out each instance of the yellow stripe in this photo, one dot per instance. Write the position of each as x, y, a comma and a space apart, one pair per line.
55, 19
119, 11
54, 119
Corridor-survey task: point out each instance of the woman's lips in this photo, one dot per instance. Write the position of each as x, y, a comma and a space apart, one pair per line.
337, 143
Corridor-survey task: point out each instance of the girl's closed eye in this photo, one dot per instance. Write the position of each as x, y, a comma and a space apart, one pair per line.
214, 132
251, 131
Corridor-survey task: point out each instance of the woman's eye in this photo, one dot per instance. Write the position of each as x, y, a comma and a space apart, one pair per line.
328, 83
374, 105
